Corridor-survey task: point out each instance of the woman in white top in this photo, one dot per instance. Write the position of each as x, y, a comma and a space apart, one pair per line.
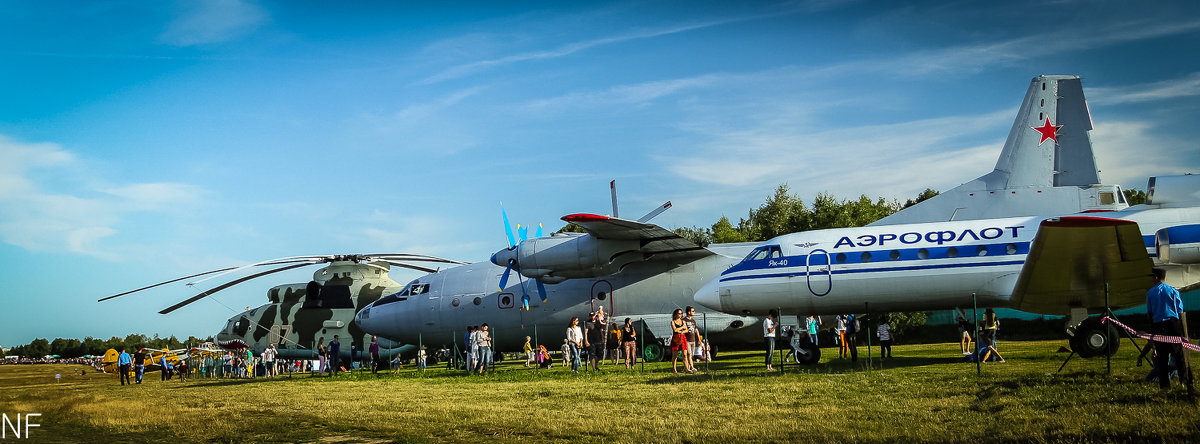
575, 341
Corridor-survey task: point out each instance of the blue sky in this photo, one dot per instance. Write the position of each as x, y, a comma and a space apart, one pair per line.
142, 141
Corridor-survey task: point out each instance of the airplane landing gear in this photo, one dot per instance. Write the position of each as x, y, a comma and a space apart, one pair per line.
1093, 338
809, 353
652, 352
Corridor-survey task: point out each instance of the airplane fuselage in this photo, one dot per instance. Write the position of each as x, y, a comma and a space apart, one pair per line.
927, 266
450, 300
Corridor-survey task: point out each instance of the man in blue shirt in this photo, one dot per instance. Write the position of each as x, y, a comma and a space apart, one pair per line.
123, 364
335, 348
1164, 306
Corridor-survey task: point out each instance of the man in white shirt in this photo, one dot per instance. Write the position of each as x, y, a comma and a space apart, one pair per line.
769, 337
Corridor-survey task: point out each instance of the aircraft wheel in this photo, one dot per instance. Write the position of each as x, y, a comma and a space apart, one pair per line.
430, 360
712, 352
652, 352
811, 356
1095, 339
497, 357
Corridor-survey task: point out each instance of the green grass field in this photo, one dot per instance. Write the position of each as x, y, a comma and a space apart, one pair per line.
924, 394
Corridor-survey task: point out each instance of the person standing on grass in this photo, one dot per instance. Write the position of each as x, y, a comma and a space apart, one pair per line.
769, 337
613, 342
990, 325
629, 342
268, 358
1164, 306
574, 342
123, 364
471, 349
884, 331
374, 351
182, 370
321, 354
844, 350
964, 330
249, 363
528, 349
594, 339
851, 336
335, 355
693, 336
483, 340
421, 359
679, 344
139, 364
566, 353
166, 367
814, 326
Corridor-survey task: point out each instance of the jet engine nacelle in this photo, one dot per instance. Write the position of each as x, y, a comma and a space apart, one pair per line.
1173, 190
1179, 245
557, 258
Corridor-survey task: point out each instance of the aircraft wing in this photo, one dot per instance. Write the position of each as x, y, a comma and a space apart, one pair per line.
1071, 260
655, 240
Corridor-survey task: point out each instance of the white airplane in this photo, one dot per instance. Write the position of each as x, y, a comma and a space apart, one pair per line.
1065, 265
650, 271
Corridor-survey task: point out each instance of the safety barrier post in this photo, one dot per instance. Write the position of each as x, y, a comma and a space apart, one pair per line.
975, 320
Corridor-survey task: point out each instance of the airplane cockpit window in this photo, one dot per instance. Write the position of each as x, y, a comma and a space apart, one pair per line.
764, 252
412, 289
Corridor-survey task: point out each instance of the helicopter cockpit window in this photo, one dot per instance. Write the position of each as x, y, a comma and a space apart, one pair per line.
417, 289
764, 252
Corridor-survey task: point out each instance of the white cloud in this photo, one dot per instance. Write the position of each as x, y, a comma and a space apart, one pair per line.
72, 220
570, 48
1129, 152
1186, 86
213, 21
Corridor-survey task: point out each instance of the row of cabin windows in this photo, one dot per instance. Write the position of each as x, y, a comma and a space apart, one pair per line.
924, 254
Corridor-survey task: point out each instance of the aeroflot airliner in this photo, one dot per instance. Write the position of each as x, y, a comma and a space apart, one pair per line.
1049, 265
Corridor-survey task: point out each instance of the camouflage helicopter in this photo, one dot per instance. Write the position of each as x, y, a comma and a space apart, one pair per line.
300, 315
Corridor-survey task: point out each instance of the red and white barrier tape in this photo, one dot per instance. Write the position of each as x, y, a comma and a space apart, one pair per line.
1156, 338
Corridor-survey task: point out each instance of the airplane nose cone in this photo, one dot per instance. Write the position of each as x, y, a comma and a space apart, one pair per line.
709, 295
502, 257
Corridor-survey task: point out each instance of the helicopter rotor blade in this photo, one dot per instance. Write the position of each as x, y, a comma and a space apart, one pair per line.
193, 276
227, 285
409, 266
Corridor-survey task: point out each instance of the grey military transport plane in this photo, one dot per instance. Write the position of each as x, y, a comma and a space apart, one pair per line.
642, 271
300, 315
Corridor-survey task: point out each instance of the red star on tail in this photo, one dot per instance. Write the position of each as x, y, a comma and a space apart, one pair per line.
1049, 131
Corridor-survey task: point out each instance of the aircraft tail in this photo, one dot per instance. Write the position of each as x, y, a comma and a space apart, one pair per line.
1046, 167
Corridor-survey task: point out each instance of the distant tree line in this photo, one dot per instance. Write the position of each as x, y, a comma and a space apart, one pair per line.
74, 348
784, 213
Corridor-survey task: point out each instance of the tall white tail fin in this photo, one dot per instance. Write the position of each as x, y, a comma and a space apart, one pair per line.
1047, 166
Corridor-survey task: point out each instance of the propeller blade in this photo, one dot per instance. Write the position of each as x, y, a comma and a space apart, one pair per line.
504, 279
541, 290
525, 302
507, 228
656, 212
523, 232
612, 188
227, 285
539, 230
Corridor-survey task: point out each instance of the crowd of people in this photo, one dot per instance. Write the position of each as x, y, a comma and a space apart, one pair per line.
591, 341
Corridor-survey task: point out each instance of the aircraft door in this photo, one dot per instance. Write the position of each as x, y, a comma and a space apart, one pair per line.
602, 297
820, 272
